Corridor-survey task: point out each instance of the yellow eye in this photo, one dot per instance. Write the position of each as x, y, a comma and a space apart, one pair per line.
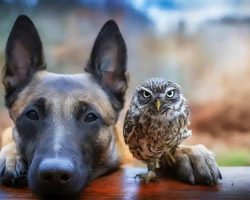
146, 94
170, 93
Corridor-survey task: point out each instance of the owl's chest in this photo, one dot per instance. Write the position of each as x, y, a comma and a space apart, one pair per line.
157, 132
149, 141
154, 125
154, 132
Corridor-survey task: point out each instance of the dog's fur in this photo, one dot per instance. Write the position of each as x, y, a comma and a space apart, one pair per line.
76, 113
65, 124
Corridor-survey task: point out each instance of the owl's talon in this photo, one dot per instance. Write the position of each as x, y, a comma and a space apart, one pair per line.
148, 177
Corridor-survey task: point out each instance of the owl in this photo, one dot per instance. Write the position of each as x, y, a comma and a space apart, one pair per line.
156, 123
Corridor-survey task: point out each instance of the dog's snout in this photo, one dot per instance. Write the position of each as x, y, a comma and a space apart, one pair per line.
56, 171
57, 176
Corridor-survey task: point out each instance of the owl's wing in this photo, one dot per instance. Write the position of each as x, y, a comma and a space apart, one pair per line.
131, 120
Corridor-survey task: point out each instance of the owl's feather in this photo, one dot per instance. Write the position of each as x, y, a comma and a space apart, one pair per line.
131, 120
150, 131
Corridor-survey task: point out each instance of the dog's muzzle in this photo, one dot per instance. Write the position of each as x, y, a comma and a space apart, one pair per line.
56, 176
55, 171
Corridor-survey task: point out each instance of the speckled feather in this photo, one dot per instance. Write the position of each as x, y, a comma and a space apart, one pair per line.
150, 133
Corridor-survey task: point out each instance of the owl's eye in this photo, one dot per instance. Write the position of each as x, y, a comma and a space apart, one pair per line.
146, 94
170, 93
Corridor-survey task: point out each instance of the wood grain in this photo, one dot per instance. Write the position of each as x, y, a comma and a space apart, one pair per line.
122, 185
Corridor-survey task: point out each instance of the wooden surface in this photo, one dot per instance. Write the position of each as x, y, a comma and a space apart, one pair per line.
122, 185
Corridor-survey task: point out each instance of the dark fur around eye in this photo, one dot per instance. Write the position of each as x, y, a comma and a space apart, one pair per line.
36, 110
86, 113
32, 115
91, 117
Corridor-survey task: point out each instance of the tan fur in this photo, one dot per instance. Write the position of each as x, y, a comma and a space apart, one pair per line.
8, 149
6, 137
96, 96
12, 157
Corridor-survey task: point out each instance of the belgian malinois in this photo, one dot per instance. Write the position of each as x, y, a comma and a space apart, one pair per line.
64, 125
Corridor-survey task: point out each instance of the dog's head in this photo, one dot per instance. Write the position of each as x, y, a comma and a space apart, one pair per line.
64, 123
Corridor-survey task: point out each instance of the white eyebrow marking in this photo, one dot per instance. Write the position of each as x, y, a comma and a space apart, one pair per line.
145, 89
170, 88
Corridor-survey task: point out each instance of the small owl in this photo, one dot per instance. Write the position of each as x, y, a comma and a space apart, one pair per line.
156, 122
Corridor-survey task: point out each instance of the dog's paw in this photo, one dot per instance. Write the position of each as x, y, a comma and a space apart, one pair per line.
12, 167
196, 165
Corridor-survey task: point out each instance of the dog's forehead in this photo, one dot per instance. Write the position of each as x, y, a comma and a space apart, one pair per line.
65, 91
64, 83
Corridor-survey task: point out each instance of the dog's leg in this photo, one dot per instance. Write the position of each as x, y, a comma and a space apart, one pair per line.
12, 167
193, 164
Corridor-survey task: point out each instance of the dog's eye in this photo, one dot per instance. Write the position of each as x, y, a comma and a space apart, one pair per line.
90, 118
32, 114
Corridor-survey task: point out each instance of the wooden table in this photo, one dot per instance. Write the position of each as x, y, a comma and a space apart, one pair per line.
122, 185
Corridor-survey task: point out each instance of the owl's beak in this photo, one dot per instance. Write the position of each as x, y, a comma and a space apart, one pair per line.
158, 104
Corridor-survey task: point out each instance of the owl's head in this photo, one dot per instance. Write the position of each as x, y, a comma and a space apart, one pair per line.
159, 95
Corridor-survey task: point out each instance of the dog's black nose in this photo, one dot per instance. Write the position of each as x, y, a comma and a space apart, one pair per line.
55, 171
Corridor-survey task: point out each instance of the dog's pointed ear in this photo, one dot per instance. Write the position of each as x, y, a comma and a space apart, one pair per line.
108, 61
24, 55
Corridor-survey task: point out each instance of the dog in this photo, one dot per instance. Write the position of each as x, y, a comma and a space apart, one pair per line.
64, 132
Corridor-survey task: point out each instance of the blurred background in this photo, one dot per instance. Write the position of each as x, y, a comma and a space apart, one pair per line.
204, 45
